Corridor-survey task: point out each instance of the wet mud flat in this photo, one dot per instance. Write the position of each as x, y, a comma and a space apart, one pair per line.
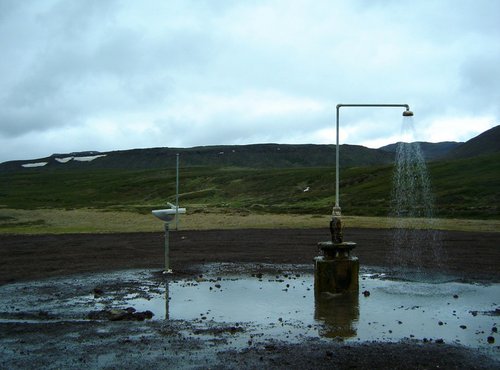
75, 301
233, 317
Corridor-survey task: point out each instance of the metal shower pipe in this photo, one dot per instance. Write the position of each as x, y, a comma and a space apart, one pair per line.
406, 113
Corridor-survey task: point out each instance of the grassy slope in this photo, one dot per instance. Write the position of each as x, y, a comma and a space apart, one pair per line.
465, 188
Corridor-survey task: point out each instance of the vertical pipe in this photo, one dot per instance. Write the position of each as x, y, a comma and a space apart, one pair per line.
337, 156
167, 249
177, 194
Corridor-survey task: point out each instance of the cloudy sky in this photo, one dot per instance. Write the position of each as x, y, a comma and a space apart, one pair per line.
103, 75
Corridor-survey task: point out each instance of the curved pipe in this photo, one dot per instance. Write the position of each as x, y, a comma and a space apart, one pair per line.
406, 113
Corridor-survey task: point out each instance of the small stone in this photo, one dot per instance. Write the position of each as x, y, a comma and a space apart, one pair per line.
494, 329
455, 296
148, 314
440, 323
440, 341
217, 286
117, 314
463, 327
491, 339
366, 293
43, 314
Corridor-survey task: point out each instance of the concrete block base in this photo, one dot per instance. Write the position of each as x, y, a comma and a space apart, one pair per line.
335, 276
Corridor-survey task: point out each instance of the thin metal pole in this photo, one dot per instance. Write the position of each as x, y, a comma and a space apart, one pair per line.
167, 249
337, 161
177, 194
337, 149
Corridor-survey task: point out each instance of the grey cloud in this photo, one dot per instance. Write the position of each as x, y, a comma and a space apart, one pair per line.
480, 81
89, 57
70, 65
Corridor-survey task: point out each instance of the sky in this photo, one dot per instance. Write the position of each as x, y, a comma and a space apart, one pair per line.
105, 75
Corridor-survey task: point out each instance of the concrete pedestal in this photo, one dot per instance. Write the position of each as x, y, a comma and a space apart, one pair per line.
338, 275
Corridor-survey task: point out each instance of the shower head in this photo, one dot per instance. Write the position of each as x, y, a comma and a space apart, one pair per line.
407, 113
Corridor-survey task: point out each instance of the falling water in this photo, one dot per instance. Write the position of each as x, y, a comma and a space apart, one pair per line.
416, 243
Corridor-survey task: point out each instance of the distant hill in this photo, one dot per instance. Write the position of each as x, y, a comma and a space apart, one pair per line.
486, 143
431, 151
252, 156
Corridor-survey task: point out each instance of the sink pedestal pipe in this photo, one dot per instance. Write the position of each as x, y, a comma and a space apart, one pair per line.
168, 270
168, 215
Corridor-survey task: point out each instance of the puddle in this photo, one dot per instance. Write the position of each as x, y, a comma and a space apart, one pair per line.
394, 310
275, 306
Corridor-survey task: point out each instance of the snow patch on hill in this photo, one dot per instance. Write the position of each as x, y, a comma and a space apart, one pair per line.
38, 164
87, 158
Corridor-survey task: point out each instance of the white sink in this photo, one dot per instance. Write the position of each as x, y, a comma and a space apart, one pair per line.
167, 214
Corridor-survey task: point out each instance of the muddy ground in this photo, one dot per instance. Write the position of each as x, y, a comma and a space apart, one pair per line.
471, 257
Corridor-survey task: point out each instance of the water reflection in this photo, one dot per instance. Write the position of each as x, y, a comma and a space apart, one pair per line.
339, 313
167, 300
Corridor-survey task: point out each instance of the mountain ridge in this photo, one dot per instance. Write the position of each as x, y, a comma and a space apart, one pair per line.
431, 151
268, 155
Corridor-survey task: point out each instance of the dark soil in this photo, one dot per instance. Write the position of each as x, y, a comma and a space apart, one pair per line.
470, 256
97, 344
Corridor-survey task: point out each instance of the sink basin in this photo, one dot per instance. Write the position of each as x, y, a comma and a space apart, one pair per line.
167, 214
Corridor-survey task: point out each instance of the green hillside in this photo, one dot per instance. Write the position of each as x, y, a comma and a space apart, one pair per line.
486, 143
466, 188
